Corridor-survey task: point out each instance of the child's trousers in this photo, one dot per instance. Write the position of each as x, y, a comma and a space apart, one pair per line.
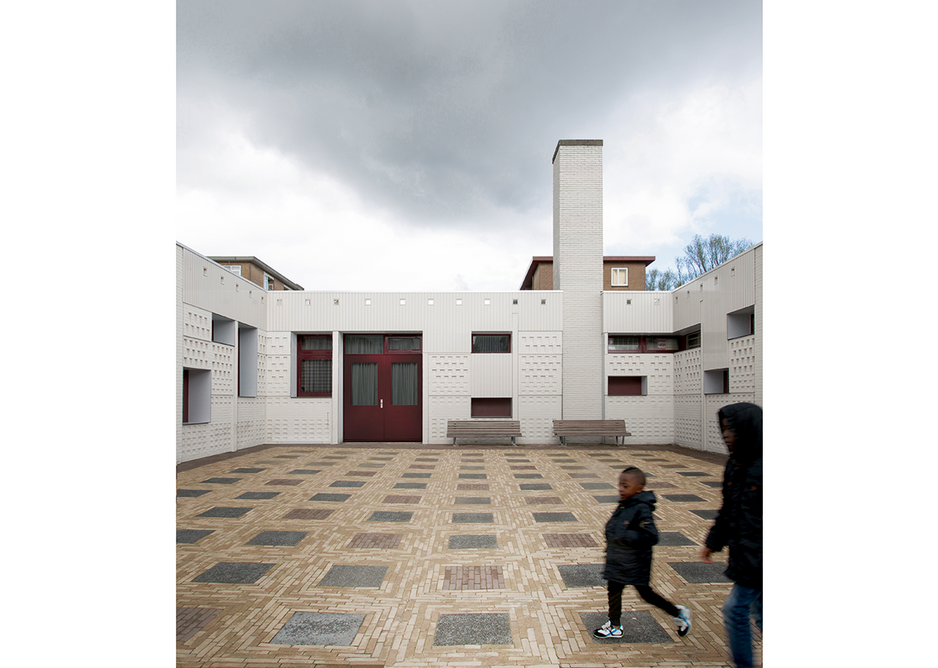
645, 591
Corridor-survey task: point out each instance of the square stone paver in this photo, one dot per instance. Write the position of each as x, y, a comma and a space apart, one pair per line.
477, 500
219, 511
682, 498
415, 475
222, 481
234, 572
569, 540
247, 470
528, 476
582, 575
191, 492
257, 495
364, 474
305, 471
673, 466
354, 576
692, 474
389, 516
323, 496
698, 572
554, 517
659, 485
466, 578
398, 498
472, 542
473, 518
473, 476
638, 626
711, 483
471, 468
610, 498
706, 514
596, 485
673, 538
466, 486
410, 485
319, 628
348, 483
534, 486
324, 463
492, 628
582, 476
285, 481
308, 514
542, 500
383, 541
189, 536
286, 538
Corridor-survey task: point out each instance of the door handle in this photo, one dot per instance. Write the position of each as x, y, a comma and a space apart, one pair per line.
382, 404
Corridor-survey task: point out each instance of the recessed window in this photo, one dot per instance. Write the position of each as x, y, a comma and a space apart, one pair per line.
692, 340
740, 323
717, 381
247, 361
234, 268
491, 407
491, 343
314, 365
628, 386
223, 330
642, 344
625, 343
620, 277
268, 282
196, 396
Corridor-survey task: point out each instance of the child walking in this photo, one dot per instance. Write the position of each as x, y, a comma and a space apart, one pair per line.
630, 535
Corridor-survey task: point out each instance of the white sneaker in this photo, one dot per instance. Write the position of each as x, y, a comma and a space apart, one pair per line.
683, 620
607, 630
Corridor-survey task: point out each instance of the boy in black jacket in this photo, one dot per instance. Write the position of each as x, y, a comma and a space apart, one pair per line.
739, 526
630, 535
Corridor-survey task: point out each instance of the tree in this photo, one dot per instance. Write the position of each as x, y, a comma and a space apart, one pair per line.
700, 256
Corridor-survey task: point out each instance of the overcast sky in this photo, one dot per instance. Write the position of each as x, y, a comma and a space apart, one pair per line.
406, 145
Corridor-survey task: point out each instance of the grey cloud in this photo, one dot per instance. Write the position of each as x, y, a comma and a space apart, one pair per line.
443, 112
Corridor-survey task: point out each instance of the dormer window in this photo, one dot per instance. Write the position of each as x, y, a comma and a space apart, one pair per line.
620, 277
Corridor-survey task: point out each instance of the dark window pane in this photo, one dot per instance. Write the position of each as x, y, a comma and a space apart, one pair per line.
316, 376
404, 384
356, 344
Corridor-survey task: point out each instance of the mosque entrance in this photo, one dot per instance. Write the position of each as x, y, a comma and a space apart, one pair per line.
383, 387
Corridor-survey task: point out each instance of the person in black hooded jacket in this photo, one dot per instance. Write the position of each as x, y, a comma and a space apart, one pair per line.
630, 535
738, 525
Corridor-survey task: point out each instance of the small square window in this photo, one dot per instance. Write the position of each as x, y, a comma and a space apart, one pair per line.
628, 386
491, 343
620, 277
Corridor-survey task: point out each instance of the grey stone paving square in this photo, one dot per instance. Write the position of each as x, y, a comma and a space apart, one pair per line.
348, 483
596, 485
305, 471
638, 626
472, 542
554, 517
673, 466
528, 476
682, 498
289, 538
323, 463
534, 486
410, 485
471, 468
473, 518
219, 511
582, 575
189, 536
711, 483
473, 629
473, 476
673, 538
257, 495
692, 474
319, 628
480, 500
191, 492
698, 572
612, 498
322, 496
354, 576
573, 468
222, 481
234, 573
389, 516
416, 475
246, 470
706, 514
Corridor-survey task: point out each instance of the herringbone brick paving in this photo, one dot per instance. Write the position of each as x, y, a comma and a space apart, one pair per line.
229, 624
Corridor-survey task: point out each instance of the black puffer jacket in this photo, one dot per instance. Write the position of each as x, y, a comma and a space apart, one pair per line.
630, 534
739, 522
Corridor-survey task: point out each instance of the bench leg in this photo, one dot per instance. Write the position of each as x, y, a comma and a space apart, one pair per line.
513, 441
454, 441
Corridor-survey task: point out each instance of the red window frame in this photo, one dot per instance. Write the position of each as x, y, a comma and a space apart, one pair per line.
625, 386
302, 355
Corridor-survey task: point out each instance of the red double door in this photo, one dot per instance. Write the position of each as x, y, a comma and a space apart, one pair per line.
383, 387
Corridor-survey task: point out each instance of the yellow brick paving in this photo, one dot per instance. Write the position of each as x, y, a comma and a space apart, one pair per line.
401, 615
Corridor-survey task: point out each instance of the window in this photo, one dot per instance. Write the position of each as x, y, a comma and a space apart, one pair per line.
692, 340
620, 277
234, 268
268, 282
247, 361
491, 407
491, 343
628, 386
403, 343
642, 344
223, 330
314, 366
196, 396
717, 381
740, 323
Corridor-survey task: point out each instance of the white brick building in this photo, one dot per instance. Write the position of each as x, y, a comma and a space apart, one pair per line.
270, 367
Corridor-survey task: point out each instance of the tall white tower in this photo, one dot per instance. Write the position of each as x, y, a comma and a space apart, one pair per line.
578, 271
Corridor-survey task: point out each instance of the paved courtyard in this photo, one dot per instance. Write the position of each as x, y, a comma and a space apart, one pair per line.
410, 555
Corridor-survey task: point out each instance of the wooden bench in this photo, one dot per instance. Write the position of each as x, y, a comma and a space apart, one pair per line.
483, 429
602, 428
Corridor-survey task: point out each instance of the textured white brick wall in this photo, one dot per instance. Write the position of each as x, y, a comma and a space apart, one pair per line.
578, 264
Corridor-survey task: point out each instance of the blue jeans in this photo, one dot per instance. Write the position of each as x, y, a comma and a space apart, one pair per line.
740, 604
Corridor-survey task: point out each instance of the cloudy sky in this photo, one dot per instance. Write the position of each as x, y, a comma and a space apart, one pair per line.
407, 144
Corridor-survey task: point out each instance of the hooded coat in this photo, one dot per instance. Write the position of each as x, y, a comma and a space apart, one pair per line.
738, 524
630, 535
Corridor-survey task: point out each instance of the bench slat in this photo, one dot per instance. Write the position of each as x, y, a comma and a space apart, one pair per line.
483, 428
